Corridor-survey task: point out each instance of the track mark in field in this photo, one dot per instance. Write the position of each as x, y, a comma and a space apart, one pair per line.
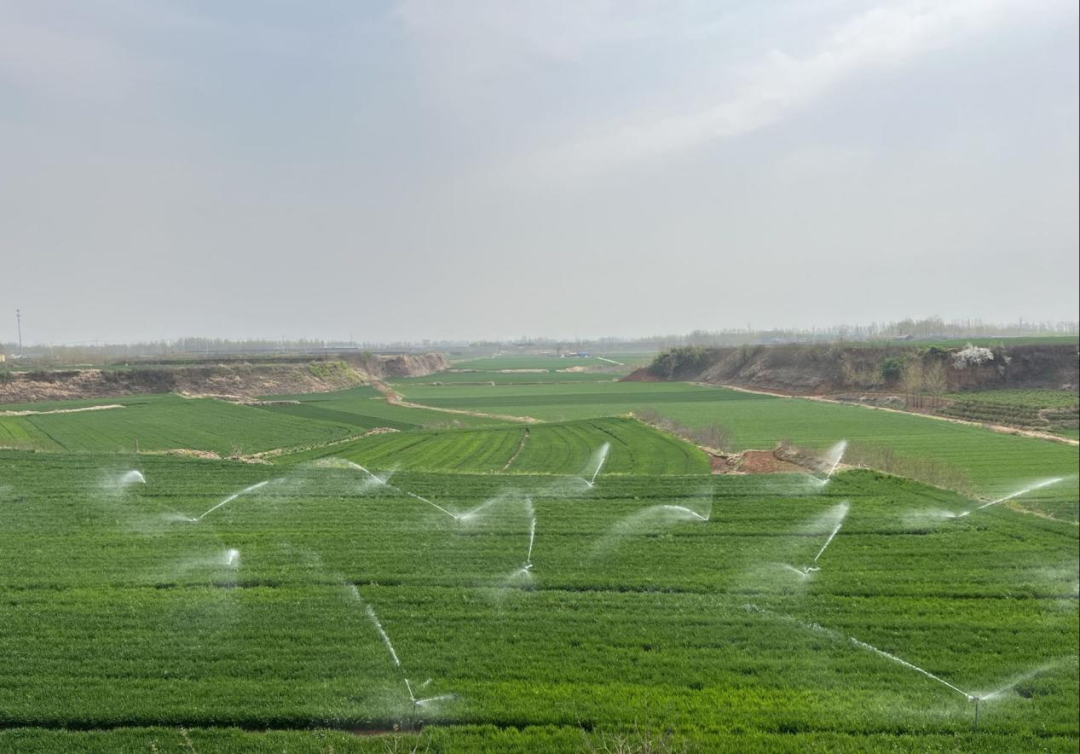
274, 452
521, 445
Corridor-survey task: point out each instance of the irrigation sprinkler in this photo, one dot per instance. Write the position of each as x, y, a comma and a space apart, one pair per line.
232, 497
1011, 496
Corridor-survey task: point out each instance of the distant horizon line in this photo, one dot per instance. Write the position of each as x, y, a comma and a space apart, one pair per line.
911, 329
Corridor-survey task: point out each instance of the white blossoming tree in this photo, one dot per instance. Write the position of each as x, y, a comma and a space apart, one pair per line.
971, 356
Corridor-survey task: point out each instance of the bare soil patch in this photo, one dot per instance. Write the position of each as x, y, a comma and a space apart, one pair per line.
766, 462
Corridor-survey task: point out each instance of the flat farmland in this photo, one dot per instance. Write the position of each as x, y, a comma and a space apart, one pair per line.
997, 464
367, 408
164, 422
671, 599
568, 448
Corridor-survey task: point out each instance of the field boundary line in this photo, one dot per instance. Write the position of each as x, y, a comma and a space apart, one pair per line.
60, 410
396, 399
1000, 429
286, 450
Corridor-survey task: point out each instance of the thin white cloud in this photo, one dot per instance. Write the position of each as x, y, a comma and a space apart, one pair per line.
44, 60
781, 84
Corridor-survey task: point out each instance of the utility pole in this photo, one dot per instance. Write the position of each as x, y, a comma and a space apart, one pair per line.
18, 320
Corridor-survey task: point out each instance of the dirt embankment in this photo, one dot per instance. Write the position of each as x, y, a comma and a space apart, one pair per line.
406, 365
235, 381
826, 369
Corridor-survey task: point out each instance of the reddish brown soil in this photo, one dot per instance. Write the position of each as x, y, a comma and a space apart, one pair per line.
641, 375
765, 462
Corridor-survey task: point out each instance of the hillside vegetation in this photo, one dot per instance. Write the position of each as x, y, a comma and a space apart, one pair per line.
228, 379
819, 369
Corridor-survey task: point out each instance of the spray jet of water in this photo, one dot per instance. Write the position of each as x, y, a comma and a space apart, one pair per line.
474, 513
977, 698
999, 692
599, 460
842, 509
232, 497
831, 461
417, 702
232, 558
916, 668
370, 612
1018, 493
532, 540
434, 505
801, 573
132, 477
646, 520
837, 513
384, 483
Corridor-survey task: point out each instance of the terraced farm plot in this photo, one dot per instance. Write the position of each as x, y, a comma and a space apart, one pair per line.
635, 618
569, 448
163, 422
1048, 410
996, 464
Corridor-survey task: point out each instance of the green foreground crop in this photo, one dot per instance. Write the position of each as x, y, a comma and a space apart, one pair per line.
119, 612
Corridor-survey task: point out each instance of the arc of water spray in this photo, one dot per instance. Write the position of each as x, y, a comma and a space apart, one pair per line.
532, 539
835, 531
833, 458
132, 477
525, 501
1018, 493
384, 483
916, 668
370, 612
416, 702
436, 506
232, 497
602, 459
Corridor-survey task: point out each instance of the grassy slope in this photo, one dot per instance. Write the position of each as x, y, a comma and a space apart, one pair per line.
546, 448
114, 614
996, 463
162, 422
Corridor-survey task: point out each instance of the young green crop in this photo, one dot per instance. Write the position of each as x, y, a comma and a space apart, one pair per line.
567, 448
119, 611
996, 464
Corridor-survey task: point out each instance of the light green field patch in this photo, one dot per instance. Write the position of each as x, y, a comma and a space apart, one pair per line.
997, 464
566, 449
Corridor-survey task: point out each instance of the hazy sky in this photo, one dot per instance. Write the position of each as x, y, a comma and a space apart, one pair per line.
440, 169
